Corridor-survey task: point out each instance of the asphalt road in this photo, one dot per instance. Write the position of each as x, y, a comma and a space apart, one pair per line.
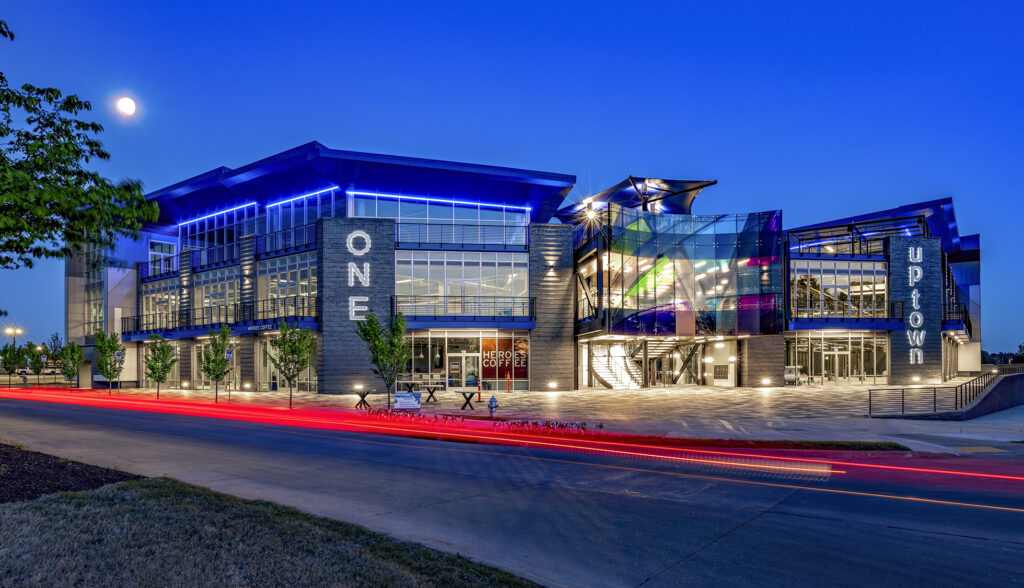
565, 518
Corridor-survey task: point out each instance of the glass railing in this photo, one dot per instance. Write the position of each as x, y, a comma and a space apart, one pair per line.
425, 234
209, 316
467, 306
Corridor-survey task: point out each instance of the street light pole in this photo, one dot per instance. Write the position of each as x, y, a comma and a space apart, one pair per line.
13, 332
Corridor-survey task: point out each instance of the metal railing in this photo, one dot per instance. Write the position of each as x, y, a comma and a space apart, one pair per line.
209, 316
287, 239
839, 247
220, 254
468, 306
158, 267
892, 311
464, 235
929, 399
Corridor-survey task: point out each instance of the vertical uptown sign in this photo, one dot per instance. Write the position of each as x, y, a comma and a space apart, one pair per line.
915, 334
358, 243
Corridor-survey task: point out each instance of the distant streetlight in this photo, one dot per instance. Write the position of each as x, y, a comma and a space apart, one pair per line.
13, 332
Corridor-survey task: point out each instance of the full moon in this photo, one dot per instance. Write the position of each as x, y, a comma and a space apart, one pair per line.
126, 106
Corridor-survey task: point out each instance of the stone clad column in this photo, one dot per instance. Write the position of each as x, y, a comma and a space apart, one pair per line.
916, 351
247, 307
552, 341
355, 274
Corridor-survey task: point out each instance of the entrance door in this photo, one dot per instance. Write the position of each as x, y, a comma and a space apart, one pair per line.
463, 370
837, 366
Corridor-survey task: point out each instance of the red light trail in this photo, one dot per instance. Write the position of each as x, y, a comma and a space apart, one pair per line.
333, 419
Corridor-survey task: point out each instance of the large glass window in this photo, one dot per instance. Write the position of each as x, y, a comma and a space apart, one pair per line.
838, 357
689, 275
493, 360
461, 274
289, 276
160, 304
826, 288
289, 214
219, 228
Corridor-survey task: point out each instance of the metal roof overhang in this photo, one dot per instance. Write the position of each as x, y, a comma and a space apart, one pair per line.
312, 167
672, 196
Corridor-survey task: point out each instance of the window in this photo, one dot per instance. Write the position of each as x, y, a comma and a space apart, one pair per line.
825, 288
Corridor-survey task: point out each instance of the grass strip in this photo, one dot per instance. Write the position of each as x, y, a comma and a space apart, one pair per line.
160, 531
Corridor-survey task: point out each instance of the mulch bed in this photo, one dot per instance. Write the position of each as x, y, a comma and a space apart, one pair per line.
25, 474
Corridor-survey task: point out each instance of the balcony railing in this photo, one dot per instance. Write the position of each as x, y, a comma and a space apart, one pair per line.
836, 247
957, 311
211, 316
214, 256
465, 306
158, 268
503, 236
892, 312
304, 236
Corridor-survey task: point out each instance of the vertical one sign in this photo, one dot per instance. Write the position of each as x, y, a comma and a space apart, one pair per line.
915, 334
358, 243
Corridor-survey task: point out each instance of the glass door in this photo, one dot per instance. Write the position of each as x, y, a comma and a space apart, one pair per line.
463, 370
455, 373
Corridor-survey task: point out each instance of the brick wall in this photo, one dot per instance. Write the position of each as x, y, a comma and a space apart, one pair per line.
901, 370
342, 359
762, 357
552, 344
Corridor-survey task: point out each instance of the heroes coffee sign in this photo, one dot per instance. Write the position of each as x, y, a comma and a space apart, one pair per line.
505, 358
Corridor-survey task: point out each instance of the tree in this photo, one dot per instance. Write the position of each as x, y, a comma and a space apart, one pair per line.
13, 358
50, 205
161, 361
293, 350
54, 346
69, 360
109, 356
389, 350
214, 362
34, 356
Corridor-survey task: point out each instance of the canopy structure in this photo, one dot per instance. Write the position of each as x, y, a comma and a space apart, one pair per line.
648, 194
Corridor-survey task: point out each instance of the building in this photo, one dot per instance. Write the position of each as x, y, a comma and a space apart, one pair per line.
504, 287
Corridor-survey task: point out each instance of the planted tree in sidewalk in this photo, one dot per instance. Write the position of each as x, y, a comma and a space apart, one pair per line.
12, 358
160, 361
109, 356
35, 356
69, 361
53, 348
214, 362
293, 350
388, 347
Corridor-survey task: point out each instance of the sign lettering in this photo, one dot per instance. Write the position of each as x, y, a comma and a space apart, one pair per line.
916, 318
358, 243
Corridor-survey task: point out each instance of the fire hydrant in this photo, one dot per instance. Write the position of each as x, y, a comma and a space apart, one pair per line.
493, 406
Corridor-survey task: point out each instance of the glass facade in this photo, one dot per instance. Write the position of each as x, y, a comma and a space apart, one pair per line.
221, 228
844, 357
687, 275
230, 382
287, 277
439, 212
827, 288
456, 273
288, 214
270, 380
160, 303
493, 360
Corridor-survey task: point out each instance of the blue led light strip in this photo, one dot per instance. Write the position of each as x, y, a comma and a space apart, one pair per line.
441, 200
195, 220
303, 196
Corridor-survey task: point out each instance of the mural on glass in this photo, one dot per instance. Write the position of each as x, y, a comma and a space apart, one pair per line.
690, 275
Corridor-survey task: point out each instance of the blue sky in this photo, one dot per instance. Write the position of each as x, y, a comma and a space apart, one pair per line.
822, 109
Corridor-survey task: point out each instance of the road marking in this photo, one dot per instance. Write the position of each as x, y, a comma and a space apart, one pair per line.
980, 449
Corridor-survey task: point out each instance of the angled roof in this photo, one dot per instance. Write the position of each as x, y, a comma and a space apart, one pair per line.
672, 196
312, 167
938, 215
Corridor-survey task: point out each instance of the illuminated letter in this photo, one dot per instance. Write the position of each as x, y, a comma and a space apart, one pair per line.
354, 309
915, 255
916, 356
916, 319
915, 274
350, 243
916, 338
364, 276
915, 299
